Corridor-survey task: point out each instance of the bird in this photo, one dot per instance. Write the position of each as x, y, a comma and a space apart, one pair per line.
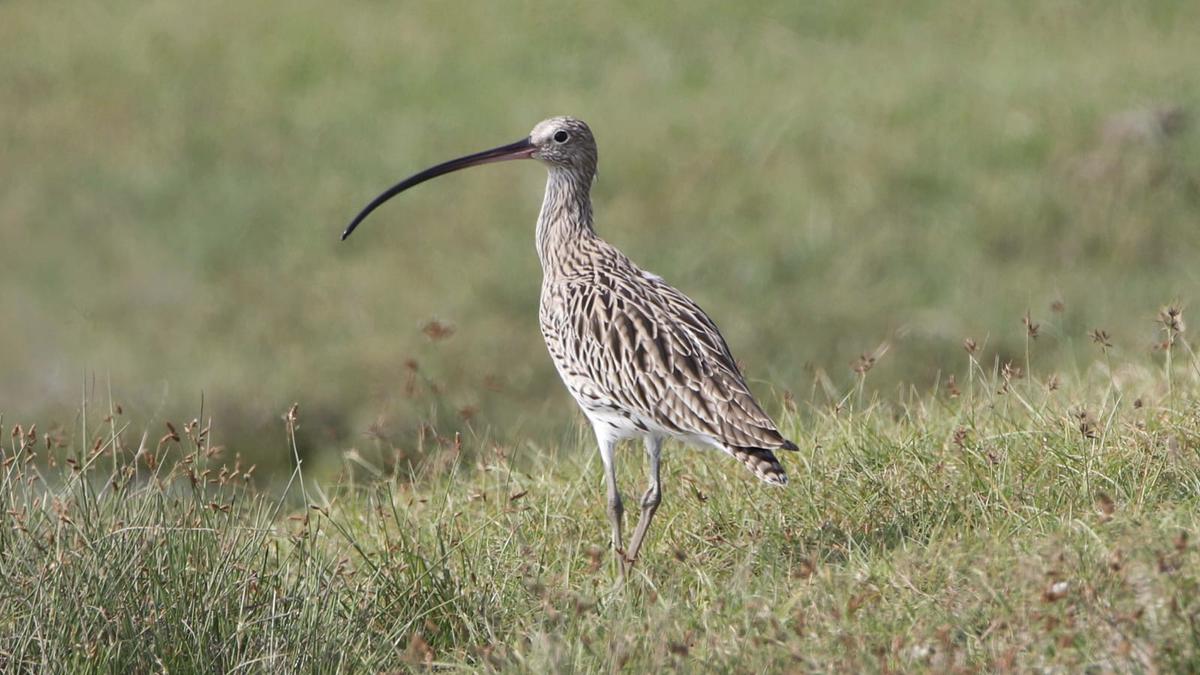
642, 360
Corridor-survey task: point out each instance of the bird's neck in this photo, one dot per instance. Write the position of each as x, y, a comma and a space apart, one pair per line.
565, 220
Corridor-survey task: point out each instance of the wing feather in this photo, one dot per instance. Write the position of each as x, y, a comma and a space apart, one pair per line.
654, 352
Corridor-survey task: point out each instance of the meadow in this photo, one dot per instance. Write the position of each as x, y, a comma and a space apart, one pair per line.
941, 237
1003, 524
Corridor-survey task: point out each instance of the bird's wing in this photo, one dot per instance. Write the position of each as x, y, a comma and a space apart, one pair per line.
653, 351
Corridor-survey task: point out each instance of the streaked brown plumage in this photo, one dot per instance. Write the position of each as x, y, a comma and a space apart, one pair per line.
640, 357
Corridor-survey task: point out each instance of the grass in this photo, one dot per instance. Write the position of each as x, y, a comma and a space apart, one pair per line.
823, 179
1000, 523
855, 192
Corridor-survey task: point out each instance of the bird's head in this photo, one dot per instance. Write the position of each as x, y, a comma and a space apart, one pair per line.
565, 142
562, 143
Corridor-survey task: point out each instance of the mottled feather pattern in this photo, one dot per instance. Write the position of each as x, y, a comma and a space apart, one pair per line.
643, 358
640, 357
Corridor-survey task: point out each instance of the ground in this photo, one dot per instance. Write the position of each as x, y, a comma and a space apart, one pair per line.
1004, 522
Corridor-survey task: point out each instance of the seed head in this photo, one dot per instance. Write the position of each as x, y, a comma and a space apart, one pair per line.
1031, 328
1010, 371
1171, 319
952, 387
959, 439
436, 330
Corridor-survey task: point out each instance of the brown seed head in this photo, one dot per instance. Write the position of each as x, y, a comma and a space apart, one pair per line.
292, 415
1172, 319
1010, 371
960, 437
436, 330
1031, 328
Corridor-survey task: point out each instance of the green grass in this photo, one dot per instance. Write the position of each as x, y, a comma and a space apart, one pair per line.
823, 178
1021, 524
829, 179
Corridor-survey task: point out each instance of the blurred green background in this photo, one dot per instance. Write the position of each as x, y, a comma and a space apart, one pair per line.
823, 177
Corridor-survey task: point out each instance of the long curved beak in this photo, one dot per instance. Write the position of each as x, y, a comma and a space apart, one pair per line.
522, 149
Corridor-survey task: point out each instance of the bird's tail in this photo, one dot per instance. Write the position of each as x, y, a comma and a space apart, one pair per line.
762, 463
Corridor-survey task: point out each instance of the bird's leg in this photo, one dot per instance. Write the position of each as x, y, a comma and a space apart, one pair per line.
615, 509
650, 499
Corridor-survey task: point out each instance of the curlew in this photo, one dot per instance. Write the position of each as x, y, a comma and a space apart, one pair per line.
640, 358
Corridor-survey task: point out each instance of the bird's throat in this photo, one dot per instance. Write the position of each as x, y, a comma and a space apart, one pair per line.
565, 220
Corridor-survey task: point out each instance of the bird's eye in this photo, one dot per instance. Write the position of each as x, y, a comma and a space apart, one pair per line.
561, 136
